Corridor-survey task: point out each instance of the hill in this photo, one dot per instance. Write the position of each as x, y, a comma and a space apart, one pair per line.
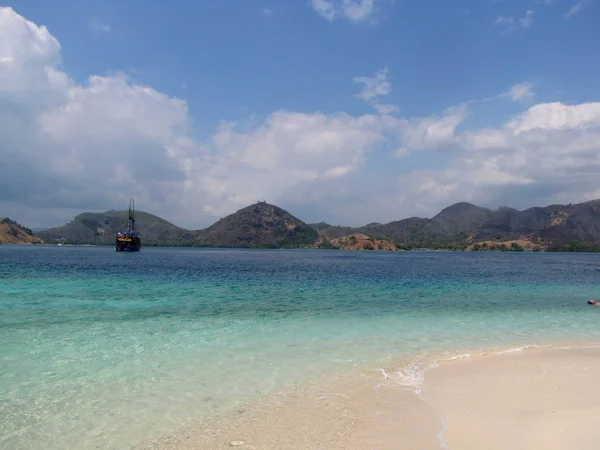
101, 229
551, 226
13, 233
258, 225
359, 241
459, 226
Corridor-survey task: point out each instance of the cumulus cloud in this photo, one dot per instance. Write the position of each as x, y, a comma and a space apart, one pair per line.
284, 153
69, 147
433, 132
353, 10
549, 153
91, 146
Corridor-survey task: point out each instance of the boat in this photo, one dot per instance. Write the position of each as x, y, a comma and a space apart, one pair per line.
129, 241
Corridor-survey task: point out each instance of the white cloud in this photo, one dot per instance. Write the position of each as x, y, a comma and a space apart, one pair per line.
325, 8
576, 8
556, 116
520, 92
432, 133
353, 10
267, 12
375, 87
91, 146
358, 10
509, 24
69, 147
386, 108
550, 153
284, 153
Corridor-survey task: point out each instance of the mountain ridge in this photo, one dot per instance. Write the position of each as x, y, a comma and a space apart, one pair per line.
459, 226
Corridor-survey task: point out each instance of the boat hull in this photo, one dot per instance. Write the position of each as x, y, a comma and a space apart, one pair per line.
129, 245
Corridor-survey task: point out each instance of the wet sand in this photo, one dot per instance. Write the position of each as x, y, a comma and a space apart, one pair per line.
532, 399
347, 413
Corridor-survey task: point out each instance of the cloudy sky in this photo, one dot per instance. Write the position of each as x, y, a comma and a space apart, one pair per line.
348, 111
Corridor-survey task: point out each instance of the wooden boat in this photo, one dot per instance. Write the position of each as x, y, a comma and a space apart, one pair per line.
129, 241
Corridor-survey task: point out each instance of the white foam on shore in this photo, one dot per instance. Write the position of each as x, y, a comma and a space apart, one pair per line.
412, 376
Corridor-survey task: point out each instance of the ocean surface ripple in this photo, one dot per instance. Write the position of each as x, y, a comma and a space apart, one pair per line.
103, 350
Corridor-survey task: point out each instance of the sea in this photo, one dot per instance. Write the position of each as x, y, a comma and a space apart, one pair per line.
100, 349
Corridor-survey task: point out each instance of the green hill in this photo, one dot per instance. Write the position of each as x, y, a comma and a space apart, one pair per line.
101, 228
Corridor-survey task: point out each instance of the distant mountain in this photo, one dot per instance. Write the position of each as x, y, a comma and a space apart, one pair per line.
463, 225
555, 225
461, 218
460, 226
101, 229
258, 225
13, 233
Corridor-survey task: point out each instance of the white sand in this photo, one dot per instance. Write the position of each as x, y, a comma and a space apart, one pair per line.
534, 399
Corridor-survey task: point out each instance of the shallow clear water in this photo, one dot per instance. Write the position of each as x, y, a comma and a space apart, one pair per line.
102, 350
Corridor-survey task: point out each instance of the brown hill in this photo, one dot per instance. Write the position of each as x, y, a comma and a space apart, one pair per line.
463, 224
359, 241
258, 225
553, 225
13, 233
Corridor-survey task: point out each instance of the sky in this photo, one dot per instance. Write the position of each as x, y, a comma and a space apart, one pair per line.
344, 111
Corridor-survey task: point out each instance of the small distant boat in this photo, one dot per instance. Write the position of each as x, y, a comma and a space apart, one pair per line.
129, 241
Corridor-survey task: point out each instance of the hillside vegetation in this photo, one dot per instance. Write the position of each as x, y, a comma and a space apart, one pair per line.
462, 226
101, 229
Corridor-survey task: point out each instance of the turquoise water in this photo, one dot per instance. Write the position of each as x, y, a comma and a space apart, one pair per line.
103, 350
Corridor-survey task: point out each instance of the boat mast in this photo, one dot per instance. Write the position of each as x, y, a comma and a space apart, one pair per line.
131, 221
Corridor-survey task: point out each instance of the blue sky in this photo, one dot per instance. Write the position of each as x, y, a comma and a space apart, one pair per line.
266, 64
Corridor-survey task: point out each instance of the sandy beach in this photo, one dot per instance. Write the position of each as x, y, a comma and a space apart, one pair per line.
340, 413
533, 399
530, 399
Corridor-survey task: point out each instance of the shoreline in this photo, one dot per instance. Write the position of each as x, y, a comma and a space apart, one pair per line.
411, 407
537, 398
